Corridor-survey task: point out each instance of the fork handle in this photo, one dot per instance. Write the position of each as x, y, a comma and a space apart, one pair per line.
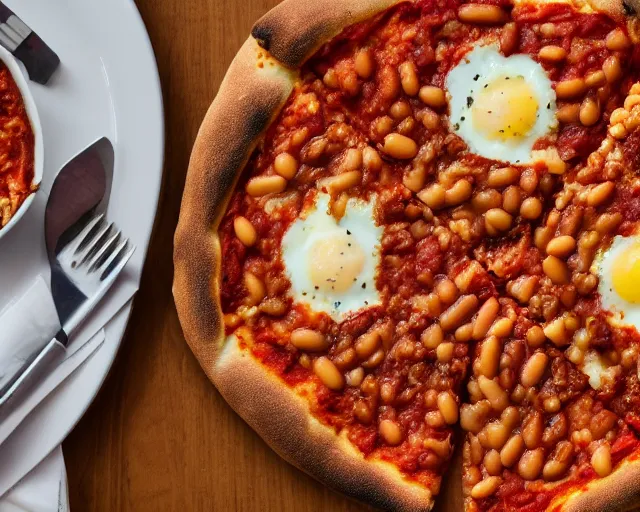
36, 371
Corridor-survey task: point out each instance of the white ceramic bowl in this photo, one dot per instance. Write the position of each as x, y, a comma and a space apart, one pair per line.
32, 112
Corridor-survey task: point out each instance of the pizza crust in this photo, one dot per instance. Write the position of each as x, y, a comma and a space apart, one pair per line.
257, 85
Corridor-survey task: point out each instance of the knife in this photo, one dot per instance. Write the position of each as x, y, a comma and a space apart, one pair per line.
82, 187
25, 45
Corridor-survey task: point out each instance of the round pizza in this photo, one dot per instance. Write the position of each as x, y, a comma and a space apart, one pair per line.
408, 218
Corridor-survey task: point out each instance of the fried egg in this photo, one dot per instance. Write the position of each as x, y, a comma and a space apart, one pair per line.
333, 265
618, 269
500, 106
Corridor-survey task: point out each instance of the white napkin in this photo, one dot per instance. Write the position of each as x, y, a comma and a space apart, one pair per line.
31, 428
45, 489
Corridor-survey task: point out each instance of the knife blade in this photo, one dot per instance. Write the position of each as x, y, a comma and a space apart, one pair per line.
82, 188
25, 45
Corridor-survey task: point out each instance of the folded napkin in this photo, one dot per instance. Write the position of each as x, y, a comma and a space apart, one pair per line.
44, 489
38, 421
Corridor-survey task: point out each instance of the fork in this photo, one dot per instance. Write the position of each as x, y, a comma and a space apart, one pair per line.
84, 270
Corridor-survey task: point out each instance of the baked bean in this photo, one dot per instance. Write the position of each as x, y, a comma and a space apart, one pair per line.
489, 357
617, 40
263, 185
494, 393
448, 407
447, 291
345, 359
430, 119
355, 377
499, 178
601, 193
556, 331
364, 63
492, 463
556, 270
458, 312
330, 79
371, 159
432, 96
482, 14
341, 182
554, 470
285, 165
414, 178
255, 288
512, 199
433, 196
529, 180
551, 404
458, 193
432, 336
245, 231
494, 435
531, 208
486, 487
399, 146
383, 126
498, 219
612, 69
441, 448
523, 288
328, 373
363, 412
561, 246
533, 369
400, 109
476, 451
485, 317
389, 82
542, 236
367, 344
595, 79
575, 355
548, 30
618, 131
509, 38
552, 53
409, 78
602, 423
486, 199
631, 101
375, 360
589, 112
473, 417
569, 113
531, 463
601, 460
511, 451
532, 430
434, 419
570, 88
444, 352
390, 432
464, 333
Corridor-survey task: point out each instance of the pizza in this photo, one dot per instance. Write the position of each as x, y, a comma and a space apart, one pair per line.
405, 219
17, 148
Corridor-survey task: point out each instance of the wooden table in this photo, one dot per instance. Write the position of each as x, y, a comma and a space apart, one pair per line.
159, 436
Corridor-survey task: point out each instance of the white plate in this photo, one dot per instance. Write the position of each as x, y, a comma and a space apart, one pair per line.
108, 85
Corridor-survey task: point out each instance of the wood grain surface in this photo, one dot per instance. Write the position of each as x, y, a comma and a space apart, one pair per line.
159, 436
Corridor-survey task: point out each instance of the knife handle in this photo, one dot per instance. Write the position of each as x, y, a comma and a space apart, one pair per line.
36, 371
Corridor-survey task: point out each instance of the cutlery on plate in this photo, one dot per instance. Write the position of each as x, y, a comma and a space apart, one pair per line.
40, 60
86, 253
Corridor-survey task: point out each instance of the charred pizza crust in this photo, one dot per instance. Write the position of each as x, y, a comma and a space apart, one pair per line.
256, 87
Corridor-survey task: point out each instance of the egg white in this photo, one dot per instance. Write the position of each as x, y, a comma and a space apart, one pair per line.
480, 67
318, 224
624, 313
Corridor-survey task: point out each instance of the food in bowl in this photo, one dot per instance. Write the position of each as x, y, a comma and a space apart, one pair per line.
17, 148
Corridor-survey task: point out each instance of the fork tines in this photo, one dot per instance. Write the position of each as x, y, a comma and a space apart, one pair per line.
99, 247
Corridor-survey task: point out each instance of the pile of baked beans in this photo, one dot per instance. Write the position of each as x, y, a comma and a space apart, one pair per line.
485, 267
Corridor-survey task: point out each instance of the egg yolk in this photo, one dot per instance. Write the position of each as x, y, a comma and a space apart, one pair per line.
505, 109
626, 274
335, 263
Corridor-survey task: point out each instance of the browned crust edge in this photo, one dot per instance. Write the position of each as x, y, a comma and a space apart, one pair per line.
617, 492
293, 30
